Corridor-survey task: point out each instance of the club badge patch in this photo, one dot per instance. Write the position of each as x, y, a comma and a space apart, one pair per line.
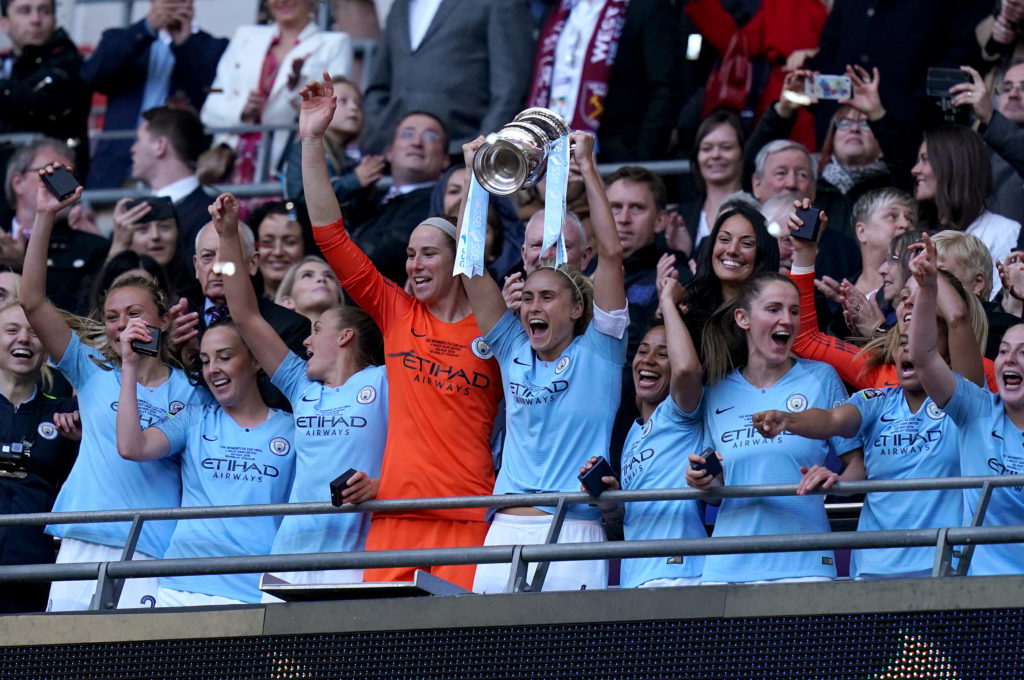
366, 395
562, 364
279, 446
47, 430
480, 349
796, 403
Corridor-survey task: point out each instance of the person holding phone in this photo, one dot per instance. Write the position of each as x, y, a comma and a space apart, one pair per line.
755, 331
567, 344
989, 425
100, 479
339, 401
235, 452
667, 376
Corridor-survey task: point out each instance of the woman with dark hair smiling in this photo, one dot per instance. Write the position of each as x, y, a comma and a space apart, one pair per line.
953, 181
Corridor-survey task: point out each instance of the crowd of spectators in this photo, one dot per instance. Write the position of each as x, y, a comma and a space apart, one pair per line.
300, 334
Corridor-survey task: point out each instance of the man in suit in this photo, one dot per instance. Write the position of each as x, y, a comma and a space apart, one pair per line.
138, 68
417, 159
164, 156
208, 303
467, 61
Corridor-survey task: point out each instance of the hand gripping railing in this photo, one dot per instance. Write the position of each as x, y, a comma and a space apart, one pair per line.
111, 574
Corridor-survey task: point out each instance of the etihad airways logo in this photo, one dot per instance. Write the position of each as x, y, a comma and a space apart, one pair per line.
438, 375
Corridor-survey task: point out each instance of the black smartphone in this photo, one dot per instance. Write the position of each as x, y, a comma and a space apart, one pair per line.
61, 183
711, 464
939, 80
151, 348
339, 485
812, 224
592, 478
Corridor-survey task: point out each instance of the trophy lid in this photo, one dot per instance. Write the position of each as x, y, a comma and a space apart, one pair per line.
550, 122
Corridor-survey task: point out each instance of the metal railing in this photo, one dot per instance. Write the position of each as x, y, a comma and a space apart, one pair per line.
110, 575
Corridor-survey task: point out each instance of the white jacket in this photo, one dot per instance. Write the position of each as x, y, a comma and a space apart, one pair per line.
238, 73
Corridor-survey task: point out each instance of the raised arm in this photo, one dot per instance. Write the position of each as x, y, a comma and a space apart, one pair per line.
53, 331
609, 286
964, 357
318, 105
132, 442
483, 292
937, 378
685, 385
266, 345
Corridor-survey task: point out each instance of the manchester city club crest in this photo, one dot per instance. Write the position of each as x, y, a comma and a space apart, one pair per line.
366, 395
279, 446
480, 349
562, 364
796, 403
934, 412
47, 430
647, 428
175, 407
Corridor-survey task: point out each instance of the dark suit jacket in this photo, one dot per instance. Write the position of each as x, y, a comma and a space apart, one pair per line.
644, 94
385, 235
119, 68
193, 214
291, 326
472, 70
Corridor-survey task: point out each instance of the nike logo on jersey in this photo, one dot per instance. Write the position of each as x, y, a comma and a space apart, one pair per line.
887, 420
209, 438
996, 435
720, 411
417, 335
313, 399
521, 363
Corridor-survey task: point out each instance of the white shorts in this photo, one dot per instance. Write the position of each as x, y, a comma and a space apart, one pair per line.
70, 596
166, 597
326, 576
671, 582
533, 529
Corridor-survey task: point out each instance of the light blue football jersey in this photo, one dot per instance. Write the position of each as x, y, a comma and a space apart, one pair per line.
336, 428
654, 456
557, 413
749, 458
223, 463
101, 479
990, 444
899, 444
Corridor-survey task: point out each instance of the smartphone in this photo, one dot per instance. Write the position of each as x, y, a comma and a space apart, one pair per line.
711, 464
828, 87
61, 183
339, 485
591, 479
939, 80
812, 224
151, 348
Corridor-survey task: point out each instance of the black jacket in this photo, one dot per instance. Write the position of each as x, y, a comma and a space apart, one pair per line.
45, 93
644, 85
46, 469
385, 235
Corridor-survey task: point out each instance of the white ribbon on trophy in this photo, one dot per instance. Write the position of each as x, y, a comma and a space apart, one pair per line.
469, 256
554, 197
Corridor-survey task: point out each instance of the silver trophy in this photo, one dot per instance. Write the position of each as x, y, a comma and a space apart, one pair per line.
516, 156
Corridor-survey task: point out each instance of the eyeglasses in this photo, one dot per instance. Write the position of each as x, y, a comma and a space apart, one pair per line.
847, 123
1008, 86
427, 136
